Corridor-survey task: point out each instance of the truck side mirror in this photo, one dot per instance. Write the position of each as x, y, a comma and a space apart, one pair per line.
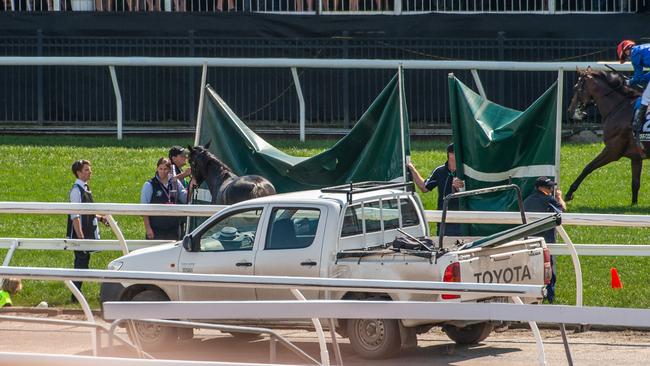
188, 243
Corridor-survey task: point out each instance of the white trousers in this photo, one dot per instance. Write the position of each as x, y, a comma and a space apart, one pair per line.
645, 98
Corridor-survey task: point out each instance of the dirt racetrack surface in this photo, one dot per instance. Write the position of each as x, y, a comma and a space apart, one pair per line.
512, 347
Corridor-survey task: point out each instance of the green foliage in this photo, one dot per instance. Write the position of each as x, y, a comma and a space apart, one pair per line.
37, 169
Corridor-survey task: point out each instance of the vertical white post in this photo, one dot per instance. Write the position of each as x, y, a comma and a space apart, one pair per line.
479, 85
10, 253
551, 6
301, 102
168, 5
541, 355
199, 114
118, 101
86, 309
398, 7
324, 354
558, 122
118, 234
401, 119
57, 5
577, 268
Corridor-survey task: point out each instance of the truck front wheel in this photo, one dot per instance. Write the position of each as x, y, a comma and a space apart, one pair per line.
374, 338
152, 336
470, 334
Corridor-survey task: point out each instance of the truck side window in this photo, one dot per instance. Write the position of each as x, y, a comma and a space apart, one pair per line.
351, 222
292, 228
234, 232
409, 213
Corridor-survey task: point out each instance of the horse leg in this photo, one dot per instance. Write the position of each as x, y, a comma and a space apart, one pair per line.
605, 157
637, 165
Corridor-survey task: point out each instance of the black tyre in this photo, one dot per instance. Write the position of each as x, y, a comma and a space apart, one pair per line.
470, 334
151, 336
374, 338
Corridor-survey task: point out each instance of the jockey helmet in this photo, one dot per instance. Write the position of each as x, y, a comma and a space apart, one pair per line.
622, 47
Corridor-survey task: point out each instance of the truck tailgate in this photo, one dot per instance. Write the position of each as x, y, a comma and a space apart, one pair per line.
519, 262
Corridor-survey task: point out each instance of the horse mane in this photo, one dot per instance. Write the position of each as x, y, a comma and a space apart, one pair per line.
615, 81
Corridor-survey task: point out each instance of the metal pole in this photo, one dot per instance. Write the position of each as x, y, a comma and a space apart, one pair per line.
324, 355
335, 344
558, 123
10, 252
199, 114
39, 77
479, 85
576, 262
87, 312
118, 101
541, 356
301, 102
118, 234
401, 121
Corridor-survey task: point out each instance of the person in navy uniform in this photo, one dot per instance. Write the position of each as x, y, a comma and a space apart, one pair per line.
163, 188
444, 178
544, 200
82, 226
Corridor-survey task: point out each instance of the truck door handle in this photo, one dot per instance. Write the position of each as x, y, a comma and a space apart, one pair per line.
308, 263
244, 264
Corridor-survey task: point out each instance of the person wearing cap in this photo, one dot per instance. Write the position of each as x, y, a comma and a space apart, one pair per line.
639, 56
544, 200
444, 178
178, 157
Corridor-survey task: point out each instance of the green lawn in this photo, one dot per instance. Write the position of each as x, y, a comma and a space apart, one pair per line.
37, 168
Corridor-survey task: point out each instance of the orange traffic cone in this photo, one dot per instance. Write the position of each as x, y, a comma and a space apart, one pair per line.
616, 281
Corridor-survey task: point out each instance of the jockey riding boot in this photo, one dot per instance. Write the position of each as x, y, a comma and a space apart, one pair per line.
639, 118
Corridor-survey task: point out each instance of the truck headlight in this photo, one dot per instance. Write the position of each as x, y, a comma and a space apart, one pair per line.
115, 265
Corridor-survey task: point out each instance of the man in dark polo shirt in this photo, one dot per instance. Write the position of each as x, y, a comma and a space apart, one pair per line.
543, 200
444, 178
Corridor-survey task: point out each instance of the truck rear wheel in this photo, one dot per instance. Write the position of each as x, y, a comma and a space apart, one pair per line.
374, 338
152, 336
470, 334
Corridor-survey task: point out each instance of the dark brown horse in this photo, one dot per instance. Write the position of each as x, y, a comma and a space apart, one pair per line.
225, 186
615, 103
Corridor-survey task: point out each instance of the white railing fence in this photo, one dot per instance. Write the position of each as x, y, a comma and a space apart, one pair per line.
293, 64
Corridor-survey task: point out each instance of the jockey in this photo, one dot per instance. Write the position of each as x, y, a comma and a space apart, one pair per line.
639, 55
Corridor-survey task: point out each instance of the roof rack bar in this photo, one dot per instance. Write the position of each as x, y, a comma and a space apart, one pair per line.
362, 187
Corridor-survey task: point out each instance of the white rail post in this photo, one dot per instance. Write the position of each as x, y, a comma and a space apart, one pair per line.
87, 312
541, 356
301, 102
118, 101
199, 114
324, 354
10, 252
576, 262
118, 234
479, 84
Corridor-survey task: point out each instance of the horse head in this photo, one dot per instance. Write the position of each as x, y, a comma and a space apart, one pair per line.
593, 84
581, 96
204, 163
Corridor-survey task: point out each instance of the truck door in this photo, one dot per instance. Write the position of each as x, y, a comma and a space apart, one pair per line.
293, 245
227, 247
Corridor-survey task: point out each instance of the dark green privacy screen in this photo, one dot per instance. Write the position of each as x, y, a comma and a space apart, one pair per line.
495, 145
373, 150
